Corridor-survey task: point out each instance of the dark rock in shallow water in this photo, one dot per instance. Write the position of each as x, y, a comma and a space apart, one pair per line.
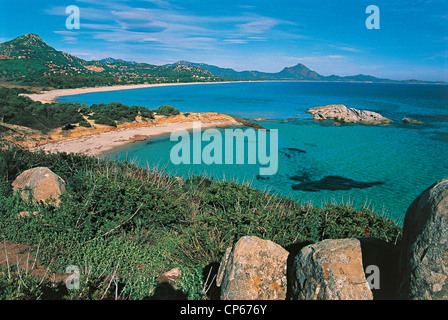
260, 177
442, 136
409, 120
310, 144
433, 118
292, 150
286, 154
296, 150
333, 183
300, 177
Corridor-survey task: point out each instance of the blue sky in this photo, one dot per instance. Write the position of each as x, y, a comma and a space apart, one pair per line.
328, 36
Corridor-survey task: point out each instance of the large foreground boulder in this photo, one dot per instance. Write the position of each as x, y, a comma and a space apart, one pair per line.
424, 253
330, 270
43, 184
254, 269
342, 114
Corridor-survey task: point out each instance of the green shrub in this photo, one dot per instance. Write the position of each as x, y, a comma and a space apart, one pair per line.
167, 111
20, 110
23, 111
85, 124
115, 111
143, 112
106, 121
238, 210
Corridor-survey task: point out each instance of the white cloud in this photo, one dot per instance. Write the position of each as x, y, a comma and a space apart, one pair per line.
86, 13
334, 56
124, 36
70, 39
235, 41
66, 33
260, 25
97, 26
346, 48
160, 3
246, 7
168, 29
317, 58
442, 55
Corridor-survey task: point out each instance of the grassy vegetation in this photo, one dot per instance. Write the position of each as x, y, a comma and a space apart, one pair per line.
124, 225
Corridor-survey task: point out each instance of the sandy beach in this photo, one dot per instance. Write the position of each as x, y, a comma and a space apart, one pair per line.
94, 144
96, 141
52, 95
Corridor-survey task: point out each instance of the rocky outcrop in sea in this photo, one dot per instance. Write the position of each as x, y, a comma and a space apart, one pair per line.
342, 114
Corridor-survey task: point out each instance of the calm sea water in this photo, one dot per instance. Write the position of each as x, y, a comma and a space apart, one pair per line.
384, 167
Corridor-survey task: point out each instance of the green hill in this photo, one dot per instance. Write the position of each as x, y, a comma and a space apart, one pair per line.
28, 60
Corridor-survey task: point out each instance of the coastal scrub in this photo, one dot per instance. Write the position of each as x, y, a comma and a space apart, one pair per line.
131, 224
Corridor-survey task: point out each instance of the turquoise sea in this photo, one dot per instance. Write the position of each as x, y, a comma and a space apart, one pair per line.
385, 167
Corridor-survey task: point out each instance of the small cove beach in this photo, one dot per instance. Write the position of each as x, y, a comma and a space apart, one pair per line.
102, 138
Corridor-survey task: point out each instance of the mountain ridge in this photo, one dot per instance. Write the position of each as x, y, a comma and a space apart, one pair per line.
29, 60
110, 60
297, 72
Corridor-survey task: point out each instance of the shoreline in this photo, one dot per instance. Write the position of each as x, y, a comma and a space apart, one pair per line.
51, 95
97, 143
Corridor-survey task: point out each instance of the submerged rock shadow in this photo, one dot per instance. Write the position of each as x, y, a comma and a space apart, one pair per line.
333, 183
